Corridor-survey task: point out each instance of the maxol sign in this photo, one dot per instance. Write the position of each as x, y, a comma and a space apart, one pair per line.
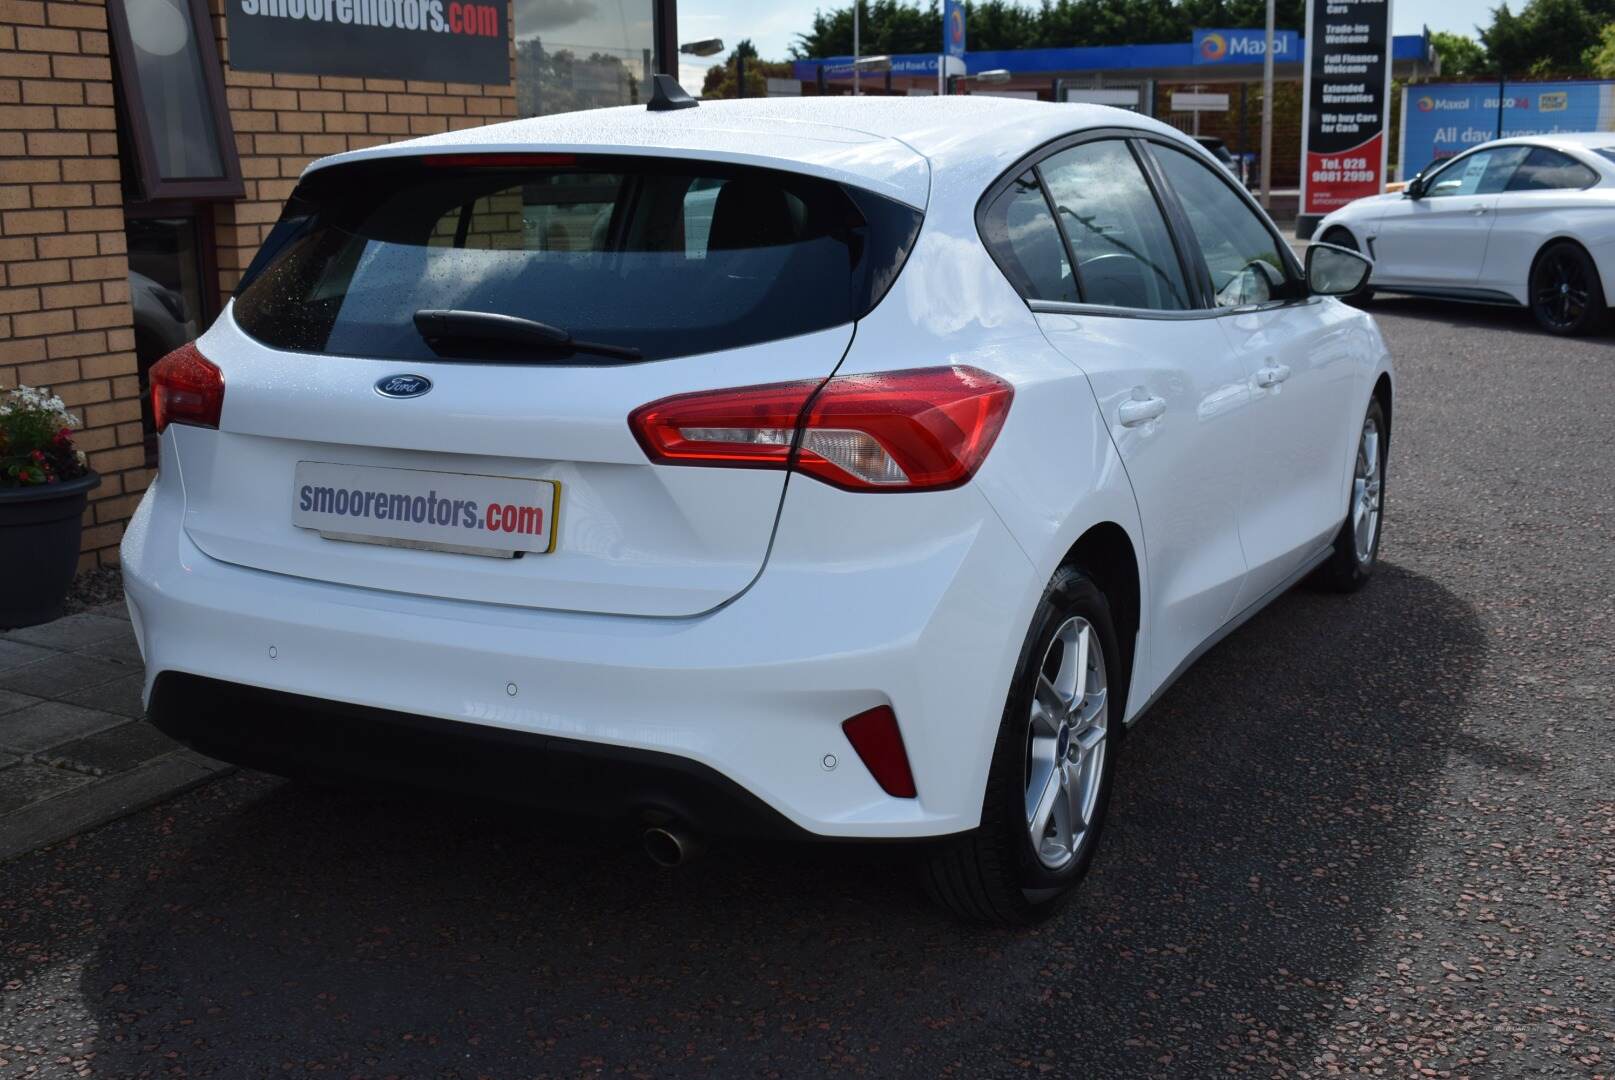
1244, 46
1440, 120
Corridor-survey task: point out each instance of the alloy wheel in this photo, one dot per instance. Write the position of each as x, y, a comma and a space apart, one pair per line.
1367, 478
1562, 290
1065, 744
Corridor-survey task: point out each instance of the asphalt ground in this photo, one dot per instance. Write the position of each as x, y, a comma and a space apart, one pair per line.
1370, 835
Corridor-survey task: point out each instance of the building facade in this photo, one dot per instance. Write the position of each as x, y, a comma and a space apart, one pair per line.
146, 148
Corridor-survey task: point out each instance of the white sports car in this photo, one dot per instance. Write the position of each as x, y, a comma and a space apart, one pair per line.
1525, 221
847, 468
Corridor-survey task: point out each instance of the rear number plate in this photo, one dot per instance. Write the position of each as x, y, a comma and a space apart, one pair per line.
462, 512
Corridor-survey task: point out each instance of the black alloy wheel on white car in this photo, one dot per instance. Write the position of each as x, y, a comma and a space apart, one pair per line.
1567, 297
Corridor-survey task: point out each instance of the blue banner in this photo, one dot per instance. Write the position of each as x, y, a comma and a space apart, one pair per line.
953, 28
1245, 46
1440, 120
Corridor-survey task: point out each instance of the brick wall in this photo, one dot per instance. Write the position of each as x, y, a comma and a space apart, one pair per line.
64, 291
65, 320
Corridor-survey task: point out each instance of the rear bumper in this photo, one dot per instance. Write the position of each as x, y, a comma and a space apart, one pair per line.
311, 739
753, 693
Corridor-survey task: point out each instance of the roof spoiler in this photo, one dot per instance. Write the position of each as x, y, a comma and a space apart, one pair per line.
667, 94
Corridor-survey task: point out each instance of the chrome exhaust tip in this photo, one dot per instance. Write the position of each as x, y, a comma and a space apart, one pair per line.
670, 846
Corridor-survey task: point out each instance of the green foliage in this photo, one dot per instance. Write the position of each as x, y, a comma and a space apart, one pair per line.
1547, 37
1600, 57
1461, 56
722, 80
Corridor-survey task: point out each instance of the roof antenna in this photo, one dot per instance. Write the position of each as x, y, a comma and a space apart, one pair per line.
667, 94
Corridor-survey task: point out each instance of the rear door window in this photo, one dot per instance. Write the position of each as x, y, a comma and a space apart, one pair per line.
666, 258
1125, 256
1549, 170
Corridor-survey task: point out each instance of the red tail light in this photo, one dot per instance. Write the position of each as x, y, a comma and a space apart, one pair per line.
186, 388
921, 430
874, 734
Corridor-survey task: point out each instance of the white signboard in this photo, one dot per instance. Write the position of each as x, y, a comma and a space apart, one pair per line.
1199, 102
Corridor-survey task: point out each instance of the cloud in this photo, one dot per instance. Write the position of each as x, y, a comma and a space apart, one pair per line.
537, 16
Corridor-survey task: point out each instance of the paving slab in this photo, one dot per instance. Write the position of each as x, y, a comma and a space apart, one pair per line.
116, 749
59, 673
16, 654
121, 696
10, 701
51, 723
71, 632
32, 783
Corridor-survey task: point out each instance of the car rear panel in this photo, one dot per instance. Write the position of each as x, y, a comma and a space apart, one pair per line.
630, 538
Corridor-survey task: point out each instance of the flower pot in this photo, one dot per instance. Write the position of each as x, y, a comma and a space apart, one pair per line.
39, 548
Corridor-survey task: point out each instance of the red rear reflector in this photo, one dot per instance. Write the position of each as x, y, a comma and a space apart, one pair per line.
879, 743
921, 430
499, 161
186, 388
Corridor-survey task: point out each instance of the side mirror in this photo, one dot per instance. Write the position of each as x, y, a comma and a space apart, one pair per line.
1336, 271
1415, 188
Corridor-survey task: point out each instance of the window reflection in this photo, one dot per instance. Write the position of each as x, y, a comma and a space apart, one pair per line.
165, 290
582, 54
173, 93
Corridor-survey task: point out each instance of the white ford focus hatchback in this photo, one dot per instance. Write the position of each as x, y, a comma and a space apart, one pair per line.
841, 468
1520, 222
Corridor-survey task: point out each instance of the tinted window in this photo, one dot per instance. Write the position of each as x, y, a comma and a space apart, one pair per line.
1241, 252
1123, 250
1485, 172
1019, 231
1546, 170
670, 258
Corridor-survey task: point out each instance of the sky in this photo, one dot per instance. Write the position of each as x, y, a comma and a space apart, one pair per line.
774, 24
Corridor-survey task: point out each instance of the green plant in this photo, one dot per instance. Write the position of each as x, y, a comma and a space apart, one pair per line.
36, 439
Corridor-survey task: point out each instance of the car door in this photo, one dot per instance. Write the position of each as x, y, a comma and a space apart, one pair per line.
1546, 196
1125, 311
1439, 238
1295, 351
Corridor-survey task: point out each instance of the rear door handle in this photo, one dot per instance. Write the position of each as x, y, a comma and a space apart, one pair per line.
1140, 411
1272, 375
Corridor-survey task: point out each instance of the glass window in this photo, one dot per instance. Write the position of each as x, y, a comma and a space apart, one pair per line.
165, 292
1547, 170
1020, 233
1240, 251
574, 54
169, 72
665, 257
1120, 240
1485, 172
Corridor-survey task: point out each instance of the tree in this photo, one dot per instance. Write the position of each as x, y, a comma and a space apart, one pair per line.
722, 80
1547, 37
1461, 57
1600, 57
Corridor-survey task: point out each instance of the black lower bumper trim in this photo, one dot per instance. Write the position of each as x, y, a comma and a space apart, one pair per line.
314, 739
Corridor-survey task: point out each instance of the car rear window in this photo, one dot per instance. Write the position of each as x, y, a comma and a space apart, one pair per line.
665, 257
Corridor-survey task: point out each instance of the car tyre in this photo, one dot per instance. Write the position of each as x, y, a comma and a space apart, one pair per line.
1343, 238
1566, 295
1356, 549
1052, 764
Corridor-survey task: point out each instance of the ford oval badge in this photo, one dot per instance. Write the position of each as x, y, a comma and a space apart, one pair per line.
401, 386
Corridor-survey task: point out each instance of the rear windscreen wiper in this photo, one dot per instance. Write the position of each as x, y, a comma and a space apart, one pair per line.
444, 326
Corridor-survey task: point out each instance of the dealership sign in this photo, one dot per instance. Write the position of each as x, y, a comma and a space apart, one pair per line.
438, 40
1441, 120
1345, 102
1244, 46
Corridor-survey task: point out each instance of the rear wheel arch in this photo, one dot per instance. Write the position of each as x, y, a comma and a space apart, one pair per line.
1105, 553
1556, 241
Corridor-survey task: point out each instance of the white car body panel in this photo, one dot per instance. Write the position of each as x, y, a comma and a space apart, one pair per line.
1482, 246
745, 638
